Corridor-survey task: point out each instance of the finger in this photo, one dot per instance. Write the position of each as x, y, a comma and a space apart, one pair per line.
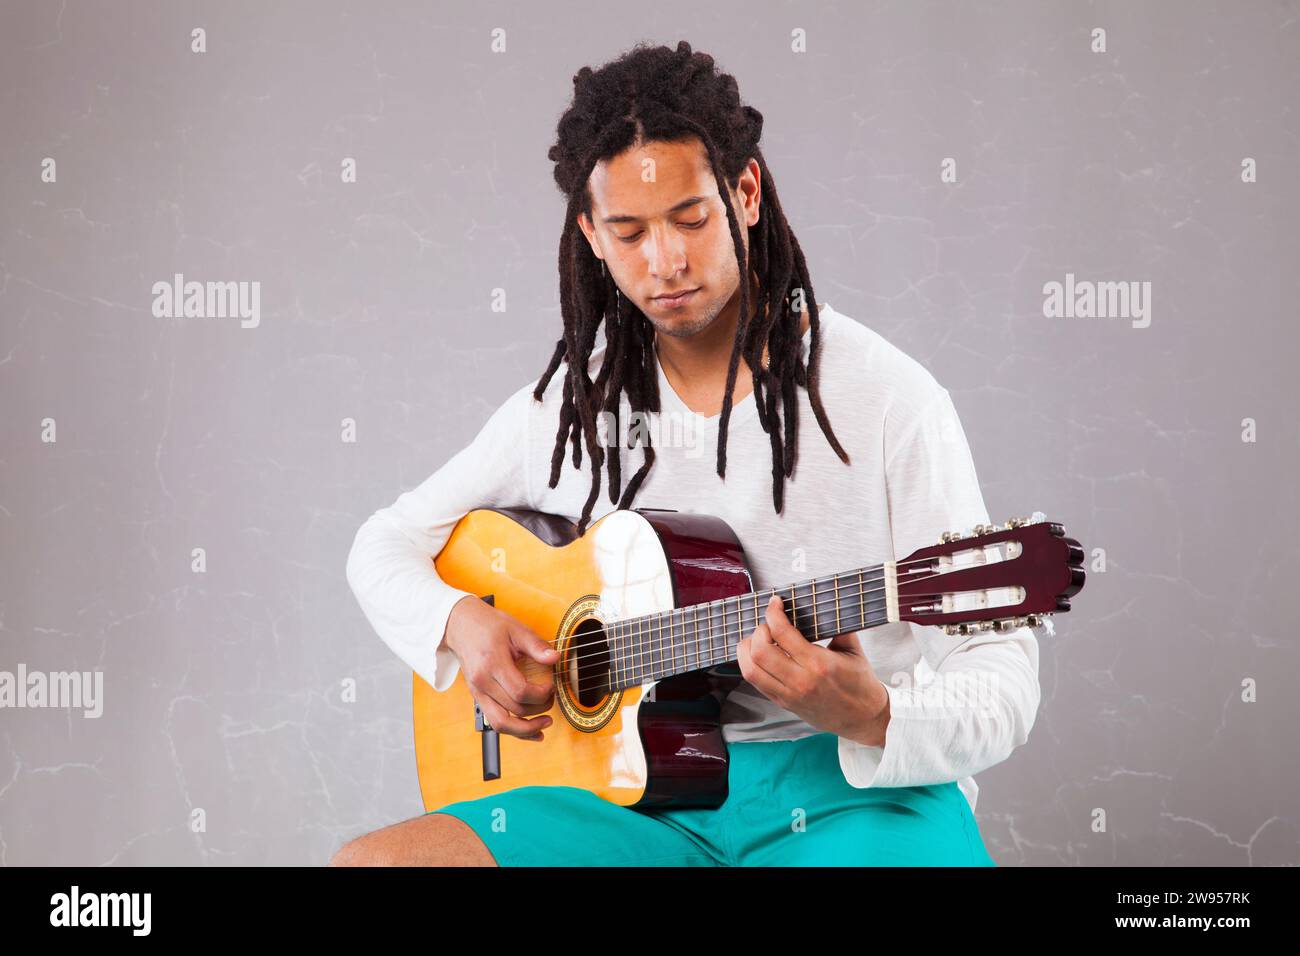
770, 661
518, 695
775, 617
527, 682
526, 640
539, 689
785, 635
504, 722
758, 678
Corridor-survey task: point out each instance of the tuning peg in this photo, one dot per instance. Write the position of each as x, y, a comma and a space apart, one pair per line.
1013, 523
1034, 620
949, 536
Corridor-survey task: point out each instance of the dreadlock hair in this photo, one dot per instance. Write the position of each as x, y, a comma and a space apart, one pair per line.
662, 95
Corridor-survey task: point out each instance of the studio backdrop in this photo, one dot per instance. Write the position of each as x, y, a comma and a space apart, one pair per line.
369, 188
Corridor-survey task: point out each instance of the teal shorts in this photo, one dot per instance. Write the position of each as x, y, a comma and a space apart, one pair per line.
788, 804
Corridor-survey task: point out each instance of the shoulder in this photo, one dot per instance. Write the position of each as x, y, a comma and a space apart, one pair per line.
879, 374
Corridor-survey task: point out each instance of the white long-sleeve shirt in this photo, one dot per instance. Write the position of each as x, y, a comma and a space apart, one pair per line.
911, 477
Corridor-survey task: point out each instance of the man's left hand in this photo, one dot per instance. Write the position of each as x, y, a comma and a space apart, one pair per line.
832, 688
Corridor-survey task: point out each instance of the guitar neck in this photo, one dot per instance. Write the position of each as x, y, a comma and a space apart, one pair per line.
660, 645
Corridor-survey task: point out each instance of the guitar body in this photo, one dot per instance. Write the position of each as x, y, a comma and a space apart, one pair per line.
656, 744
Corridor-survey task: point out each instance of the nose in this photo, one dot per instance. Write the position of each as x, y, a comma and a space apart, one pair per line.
665, 253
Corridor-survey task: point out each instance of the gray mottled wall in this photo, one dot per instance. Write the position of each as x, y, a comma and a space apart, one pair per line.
1168, 700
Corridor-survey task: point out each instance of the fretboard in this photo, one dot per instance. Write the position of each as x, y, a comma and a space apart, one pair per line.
660, 645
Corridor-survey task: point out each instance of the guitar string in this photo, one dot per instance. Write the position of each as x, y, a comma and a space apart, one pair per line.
869, 569
653, 647
656, 652
655, 641
723, 659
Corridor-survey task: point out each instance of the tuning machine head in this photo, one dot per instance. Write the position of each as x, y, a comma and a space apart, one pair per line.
1000, 625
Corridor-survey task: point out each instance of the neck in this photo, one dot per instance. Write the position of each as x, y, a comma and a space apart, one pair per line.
699, 362
684, 639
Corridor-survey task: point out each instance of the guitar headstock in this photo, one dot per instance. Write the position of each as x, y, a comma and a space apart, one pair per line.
994, 578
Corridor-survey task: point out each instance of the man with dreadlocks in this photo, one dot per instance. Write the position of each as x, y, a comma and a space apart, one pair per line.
670, 203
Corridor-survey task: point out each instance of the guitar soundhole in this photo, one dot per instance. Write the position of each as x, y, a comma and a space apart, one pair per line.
587, 664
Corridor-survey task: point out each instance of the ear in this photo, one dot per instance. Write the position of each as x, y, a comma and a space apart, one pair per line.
749, 192
589, 230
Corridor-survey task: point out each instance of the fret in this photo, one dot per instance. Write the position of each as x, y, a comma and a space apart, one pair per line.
862, 598
695, 615
681, 663
802, 599
726, 627
661, 646
625, 653
672, 645
680, 641
629, 653
851, 616
615, 649
647, 649
667, 665
718, 632
666, 660
814, 611
861, 620
640, 650
835, 582
693, 635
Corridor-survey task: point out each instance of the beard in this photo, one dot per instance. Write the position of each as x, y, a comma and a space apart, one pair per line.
690, 322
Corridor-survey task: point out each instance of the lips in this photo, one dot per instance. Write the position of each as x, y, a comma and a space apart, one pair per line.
676, 300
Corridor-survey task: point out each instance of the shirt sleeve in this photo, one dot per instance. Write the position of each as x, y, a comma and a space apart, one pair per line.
971, 699
390, 566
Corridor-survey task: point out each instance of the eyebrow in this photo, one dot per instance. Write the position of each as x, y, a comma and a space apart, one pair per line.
691, 201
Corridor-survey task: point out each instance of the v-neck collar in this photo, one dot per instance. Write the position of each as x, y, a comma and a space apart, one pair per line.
741, 411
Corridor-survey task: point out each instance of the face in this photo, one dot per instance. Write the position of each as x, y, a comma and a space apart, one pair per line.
660, 227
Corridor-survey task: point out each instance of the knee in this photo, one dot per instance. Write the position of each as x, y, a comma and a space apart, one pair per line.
363, 851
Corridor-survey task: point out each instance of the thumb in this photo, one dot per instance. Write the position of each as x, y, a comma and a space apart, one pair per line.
536, 648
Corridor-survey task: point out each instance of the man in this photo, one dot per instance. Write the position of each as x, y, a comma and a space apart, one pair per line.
831, 759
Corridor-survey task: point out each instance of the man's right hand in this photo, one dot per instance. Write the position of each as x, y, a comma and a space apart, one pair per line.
487, 642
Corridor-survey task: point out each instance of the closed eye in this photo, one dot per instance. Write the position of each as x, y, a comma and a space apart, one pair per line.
689, 225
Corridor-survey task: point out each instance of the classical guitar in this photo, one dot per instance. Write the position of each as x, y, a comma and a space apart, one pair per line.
646, 609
